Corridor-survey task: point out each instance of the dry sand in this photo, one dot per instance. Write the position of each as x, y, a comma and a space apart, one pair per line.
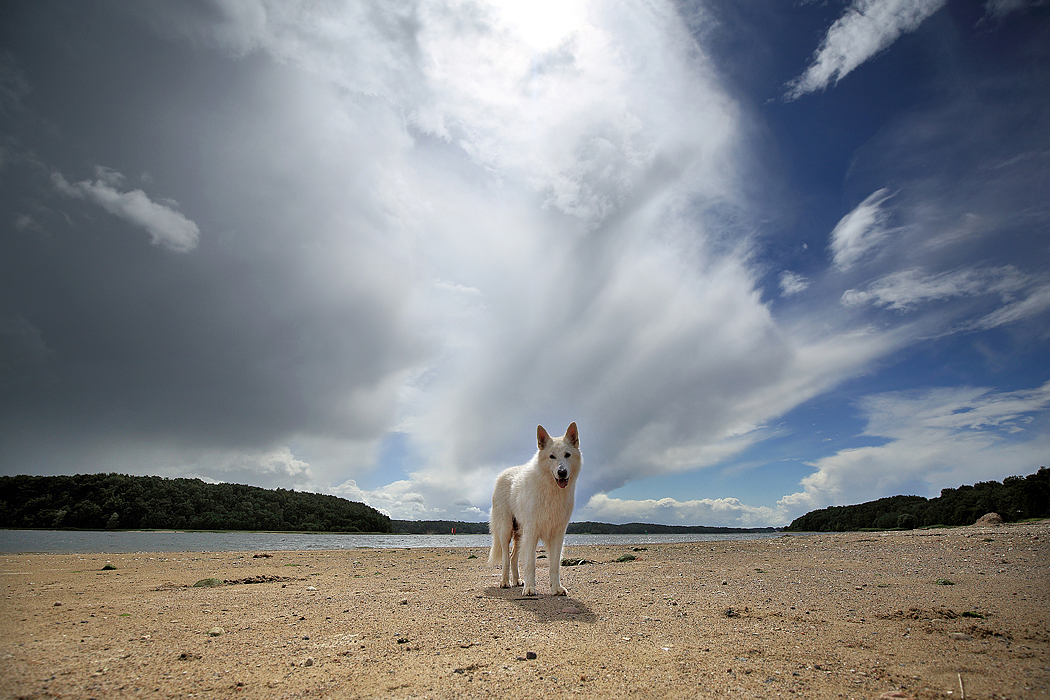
858, 615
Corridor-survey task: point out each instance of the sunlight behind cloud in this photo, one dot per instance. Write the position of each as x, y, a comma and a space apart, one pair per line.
542, 24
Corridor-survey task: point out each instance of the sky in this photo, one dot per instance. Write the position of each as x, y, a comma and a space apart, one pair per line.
770, 256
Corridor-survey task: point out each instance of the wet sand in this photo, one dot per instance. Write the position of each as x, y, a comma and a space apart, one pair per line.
951, 613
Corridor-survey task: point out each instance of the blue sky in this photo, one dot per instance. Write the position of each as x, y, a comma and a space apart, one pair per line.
769, 256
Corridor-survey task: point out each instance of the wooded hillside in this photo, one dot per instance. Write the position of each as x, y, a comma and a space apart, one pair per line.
1016, 498
101, 501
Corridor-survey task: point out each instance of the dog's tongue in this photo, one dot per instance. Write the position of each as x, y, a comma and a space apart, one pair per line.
563, 482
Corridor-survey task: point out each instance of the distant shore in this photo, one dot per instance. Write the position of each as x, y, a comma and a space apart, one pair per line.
855, 614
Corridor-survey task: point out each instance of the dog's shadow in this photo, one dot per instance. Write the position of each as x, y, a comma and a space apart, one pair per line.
546, 608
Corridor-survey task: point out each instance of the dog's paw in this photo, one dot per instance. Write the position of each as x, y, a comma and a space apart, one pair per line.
504, 584
528, 591
561, 591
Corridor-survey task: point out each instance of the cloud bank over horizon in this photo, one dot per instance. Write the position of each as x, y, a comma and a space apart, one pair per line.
385, 242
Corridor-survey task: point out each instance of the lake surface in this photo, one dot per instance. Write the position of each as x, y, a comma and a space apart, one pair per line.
65, 542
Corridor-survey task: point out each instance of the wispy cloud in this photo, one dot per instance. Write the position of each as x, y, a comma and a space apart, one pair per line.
1002, 8
862, 231
1037, 301
866, 28
908, 289
165, 225
792, 283
935, 439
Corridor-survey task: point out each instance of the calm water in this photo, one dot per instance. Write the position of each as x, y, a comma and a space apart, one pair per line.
62, 542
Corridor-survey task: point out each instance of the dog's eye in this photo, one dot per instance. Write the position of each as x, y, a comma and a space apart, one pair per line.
567, 455
553, 457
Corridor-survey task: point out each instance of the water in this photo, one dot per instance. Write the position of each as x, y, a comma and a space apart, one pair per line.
116, 542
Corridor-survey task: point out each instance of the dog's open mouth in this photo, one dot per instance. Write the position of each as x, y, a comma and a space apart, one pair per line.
563, 483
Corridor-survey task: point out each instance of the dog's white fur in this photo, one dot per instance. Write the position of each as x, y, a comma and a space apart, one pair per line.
534, 502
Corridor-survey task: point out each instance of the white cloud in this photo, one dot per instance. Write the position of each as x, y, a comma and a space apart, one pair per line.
907, 289
165, 225
1035, 303
1002, 8
866, 28
936, 439
792, 283
860, 233
426, 497
720, 512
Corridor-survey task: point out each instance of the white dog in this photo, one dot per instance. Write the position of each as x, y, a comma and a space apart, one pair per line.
532, 502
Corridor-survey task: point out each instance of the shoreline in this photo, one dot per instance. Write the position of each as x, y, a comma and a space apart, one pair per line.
822, 615
134, 541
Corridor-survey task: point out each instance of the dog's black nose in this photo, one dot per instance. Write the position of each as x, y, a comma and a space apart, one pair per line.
563, 473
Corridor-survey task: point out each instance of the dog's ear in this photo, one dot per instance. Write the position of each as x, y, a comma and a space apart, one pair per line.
573, 435
542, 438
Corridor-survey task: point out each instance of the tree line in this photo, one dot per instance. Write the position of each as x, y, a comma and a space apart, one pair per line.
1016, 498
119, 501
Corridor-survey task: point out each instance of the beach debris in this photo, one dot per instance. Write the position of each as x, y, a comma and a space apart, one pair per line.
189, 656
990, 519
916, 613
260, 578
944, 582
309, 661
530, 655
571, 561
624, 557
311, 588
261, 555
960, 636
213, 582
216, 632
109, 567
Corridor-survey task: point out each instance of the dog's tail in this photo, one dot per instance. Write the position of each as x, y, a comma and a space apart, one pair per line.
496, 552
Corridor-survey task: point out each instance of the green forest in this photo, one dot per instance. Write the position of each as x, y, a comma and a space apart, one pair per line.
1016, 498
118, 501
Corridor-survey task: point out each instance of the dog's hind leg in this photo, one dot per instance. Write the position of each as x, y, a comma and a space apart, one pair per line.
512, 569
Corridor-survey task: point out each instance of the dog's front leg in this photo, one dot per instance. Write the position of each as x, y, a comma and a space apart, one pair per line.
529, 540
555, 565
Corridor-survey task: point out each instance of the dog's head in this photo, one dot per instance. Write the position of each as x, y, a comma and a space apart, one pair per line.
561, 455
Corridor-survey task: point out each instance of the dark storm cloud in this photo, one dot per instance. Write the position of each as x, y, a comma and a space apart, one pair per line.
241, 338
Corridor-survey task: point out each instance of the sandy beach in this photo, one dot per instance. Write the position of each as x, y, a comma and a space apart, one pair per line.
953, 613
